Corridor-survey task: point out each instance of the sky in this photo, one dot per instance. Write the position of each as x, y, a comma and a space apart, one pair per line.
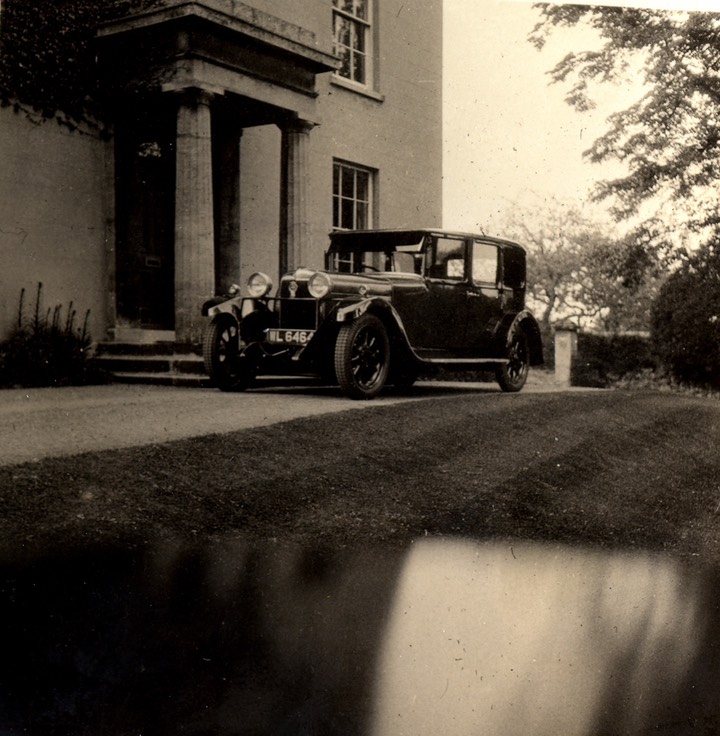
511, 141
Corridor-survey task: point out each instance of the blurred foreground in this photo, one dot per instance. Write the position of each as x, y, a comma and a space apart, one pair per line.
452, 637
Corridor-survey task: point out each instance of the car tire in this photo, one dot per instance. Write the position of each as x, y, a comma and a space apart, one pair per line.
362, 357
512, 375
228, 369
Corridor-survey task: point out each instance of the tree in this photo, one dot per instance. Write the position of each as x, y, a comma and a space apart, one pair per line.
686, 320
580, 273
47, 56
669, 139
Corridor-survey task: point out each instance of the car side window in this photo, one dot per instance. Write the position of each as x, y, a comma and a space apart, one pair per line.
514, 268
448, 259
485, 263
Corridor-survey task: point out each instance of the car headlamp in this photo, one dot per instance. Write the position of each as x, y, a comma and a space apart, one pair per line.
233, 290
259, 285
319, 285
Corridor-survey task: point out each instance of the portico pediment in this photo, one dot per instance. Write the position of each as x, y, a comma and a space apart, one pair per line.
224, 46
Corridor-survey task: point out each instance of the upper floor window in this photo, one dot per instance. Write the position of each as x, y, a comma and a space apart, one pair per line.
352, 196
353, 38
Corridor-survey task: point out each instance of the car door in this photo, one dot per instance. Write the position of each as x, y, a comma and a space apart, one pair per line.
485, 298
438, 316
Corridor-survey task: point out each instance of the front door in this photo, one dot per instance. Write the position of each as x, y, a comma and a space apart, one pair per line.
145, 198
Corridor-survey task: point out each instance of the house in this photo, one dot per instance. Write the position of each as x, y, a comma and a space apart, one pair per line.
233, 137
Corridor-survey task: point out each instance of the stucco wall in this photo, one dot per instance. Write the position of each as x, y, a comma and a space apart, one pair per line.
53, 219
259, 202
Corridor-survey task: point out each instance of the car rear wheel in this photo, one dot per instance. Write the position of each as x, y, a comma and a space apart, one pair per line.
228, 369
512, 375
362, 357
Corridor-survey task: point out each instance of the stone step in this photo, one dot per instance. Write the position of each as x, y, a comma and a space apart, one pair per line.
164, 379
156, 363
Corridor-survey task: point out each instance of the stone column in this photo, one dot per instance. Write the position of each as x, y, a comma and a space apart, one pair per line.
194, 227
293, 197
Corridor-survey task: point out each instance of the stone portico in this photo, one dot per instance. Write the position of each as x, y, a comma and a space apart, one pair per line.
209, 69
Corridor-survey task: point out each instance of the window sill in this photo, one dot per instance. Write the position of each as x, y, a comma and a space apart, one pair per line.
357, 88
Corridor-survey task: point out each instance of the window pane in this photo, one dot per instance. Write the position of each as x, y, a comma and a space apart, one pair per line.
362, 186
336, 212
347, 214
344, 70
348, 183
361, 216
485, 259
359, 68
447, 248
361, 9
343, 31
359, 38
449, 259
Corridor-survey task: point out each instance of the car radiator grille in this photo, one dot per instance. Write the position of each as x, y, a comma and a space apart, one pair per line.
298, 314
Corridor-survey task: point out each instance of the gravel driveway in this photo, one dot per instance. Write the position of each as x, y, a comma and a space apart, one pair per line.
49, 422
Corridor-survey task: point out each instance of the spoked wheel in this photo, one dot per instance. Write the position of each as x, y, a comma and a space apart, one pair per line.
362, 357
228, 369
514, 373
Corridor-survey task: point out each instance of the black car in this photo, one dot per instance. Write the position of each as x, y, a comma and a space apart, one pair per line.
389, 306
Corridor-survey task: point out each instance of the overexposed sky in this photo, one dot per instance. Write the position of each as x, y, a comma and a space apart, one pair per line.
510, 139
509, 136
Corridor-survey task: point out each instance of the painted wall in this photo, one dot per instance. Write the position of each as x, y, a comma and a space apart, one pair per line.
54, 218
260, 150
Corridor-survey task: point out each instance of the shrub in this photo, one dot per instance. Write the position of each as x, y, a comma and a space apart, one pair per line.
602, 360
47, 350
685, 324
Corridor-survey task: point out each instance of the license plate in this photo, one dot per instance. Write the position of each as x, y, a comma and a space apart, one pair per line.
290, 337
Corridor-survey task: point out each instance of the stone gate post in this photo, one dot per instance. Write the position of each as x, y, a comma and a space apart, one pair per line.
565, 350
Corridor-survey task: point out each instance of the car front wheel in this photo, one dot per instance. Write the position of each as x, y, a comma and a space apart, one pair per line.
512, 375
362, 357
228, 369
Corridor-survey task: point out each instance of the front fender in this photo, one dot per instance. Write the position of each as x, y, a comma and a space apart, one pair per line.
219, 304
382, 309
352, 310
238, 306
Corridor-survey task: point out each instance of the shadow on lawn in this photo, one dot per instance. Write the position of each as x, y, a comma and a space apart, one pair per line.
442, 636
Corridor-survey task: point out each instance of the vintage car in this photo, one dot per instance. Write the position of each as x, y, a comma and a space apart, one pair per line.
389, 306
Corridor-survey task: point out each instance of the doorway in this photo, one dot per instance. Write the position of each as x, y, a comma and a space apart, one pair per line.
145, 217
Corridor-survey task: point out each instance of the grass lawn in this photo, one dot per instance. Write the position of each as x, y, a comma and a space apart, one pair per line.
608, 469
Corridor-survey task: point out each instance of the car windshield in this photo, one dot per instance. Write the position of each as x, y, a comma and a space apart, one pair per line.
398, 258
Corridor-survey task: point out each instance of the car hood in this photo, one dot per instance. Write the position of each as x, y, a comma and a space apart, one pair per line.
384, 284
